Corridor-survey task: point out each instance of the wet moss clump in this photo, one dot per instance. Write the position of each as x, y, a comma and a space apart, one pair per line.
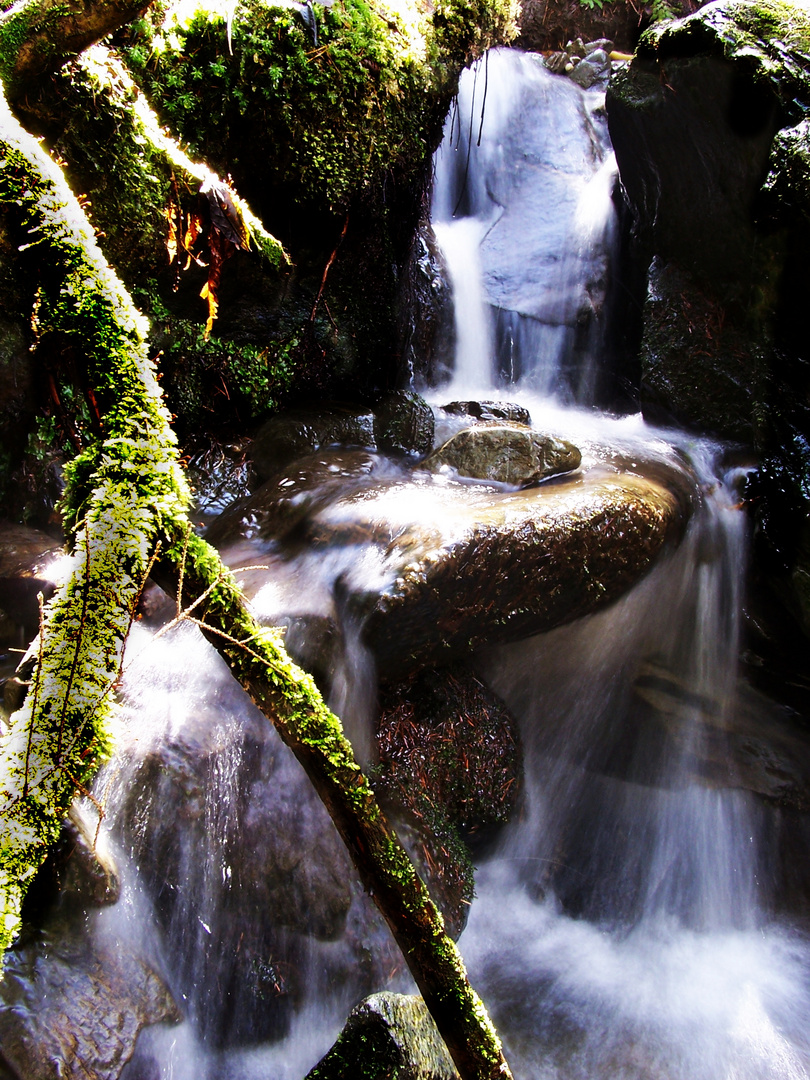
323, 121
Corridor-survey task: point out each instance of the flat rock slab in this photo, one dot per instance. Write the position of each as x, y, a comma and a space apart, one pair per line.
517, 564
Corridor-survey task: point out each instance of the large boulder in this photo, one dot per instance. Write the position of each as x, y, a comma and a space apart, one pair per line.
516, 565
711, 142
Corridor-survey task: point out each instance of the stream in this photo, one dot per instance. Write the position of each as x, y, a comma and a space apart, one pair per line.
642, 916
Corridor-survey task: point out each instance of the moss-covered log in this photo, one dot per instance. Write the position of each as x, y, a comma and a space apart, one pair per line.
135, 485
125, 504
38, 36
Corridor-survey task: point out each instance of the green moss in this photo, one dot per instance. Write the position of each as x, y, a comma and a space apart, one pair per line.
329, 120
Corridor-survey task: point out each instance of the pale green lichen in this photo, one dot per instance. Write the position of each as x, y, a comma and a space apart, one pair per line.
59, 737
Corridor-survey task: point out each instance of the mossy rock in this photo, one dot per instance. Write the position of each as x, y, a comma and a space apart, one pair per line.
387, 1037
403, 422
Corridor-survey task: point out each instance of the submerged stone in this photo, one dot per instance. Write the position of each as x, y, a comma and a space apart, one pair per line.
506, 454
387, 1035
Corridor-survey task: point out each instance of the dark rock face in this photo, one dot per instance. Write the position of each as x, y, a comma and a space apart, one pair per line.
403, 422
387, 1035
292, 435
508, 455
707, 124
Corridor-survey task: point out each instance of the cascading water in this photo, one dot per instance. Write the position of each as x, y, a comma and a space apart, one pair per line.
627, 925
522, 211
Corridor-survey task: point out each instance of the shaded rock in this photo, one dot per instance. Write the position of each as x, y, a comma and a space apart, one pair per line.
489, 410
79, 872
450, 761
387, 1035
507, 455
293, 494
27, 566
521, 564
403, 421
299, 432
719, 389
70, 1010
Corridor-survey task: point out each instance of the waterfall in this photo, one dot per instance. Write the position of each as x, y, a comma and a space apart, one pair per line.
629, 922
523, 213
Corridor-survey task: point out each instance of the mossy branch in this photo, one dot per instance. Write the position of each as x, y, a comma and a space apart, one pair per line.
127, 498
38, 36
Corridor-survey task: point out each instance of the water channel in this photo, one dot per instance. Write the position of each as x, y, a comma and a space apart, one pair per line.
631, 921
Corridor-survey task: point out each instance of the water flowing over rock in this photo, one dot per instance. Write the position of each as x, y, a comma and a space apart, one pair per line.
522, 564
70, 1010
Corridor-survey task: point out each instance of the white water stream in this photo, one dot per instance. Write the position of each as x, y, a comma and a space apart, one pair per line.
629, 924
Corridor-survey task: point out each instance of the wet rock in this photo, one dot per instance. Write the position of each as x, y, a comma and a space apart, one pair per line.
27, 568
592, 69
517, 565
403, 422
450, 765
72, 1010
387, 1035
299, 432
508, 455
294, 494
489, 411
